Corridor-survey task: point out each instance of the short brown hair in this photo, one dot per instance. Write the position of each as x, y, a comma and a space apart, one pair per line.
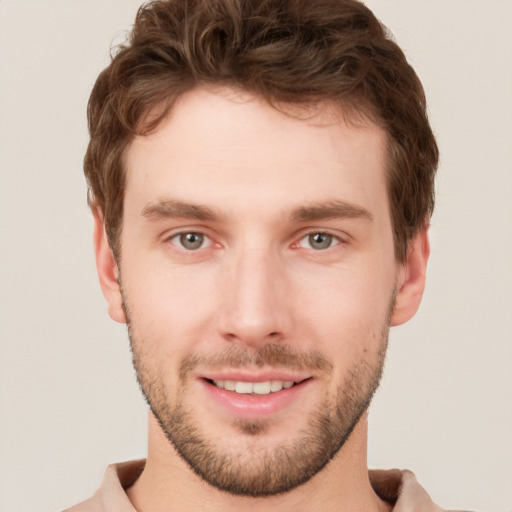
287, 51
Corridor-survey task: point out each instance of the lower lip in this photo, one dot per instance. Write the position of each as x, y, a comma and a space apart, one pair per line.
246, 406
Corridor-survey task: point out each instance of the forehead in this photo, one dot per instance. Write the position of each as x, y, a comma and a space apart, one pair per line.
221, 146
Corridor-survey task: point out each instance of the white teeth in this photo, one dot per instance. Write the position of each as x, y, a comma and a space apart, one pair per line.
261, 388
230, 385
276, 385
257, 388
243, 387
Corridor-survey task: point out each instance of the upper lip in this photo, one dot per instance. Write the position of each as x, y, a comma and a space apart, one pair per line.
251, 376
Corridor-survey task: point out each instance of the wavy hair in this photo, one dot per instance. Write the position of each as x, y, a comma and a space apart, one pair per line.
296, 52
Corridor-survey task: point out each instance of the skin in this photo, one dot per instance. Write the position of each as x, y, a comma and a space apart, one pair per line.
258, 184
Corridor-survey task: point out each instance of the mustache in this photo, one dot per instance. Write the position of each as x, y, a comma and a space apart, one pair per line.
275, 356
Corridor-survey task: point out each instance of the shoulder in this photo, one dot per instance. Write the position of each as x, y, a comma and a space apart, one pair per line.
111, 496
401, 488
91, 505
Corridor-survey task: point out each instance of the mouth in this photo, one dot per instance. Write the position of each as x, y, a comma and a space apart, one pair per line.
250, 396
253, 388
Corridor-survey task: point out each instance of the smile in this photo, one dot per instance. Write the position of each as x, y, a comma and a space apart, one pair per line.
254, 397
253, 388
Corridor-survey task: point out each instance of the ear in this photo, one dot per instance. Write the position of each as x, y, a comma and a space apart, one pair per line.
108, 271
411, 279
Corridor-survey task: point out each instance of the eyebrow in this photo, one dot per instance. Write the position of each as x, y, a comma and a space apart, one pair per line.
318, 211
178, 209
331, 210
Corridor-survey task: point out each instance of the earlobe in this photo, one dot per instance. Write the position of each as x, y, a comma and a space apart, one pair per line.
108, 271
411, 279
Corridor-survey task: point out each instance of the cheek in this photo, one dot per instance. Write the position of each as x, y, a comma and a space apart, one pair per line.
347, 316
168, 306
345, 297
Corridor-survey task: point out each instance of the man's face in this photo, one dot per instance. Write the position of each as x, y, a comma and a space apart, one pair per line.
257, 254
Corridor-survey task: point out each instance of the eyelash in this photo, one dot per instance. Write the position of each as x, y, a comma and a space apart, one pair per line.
333, 240
178, 240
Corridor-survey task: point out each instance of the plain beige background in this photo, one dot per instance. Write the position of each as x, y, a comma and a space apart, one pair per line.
69, 404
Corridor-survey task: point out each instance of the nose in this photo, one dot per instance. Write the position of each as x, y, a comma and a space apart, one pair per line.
255, 306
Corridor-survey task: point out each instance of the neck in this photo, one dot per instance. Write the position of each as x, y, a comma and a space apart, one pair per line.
168, 483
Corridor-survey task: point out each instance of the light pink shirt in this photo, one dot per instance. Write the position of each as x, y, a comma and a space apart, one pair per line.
395, 486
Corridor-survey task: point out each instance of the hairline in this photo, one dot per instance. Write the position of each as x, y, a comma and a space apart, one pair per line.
354, 111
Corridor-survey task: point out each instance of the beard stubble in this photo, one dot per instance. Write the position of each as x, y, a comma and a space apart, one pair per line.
258, 472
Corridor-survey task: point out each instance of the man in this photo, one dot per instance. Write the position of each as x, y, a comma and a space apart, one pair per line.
261, 178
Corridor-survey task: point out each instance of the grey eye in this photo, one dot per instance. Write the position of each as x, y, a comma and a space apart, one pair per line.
319, 241
191, 241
